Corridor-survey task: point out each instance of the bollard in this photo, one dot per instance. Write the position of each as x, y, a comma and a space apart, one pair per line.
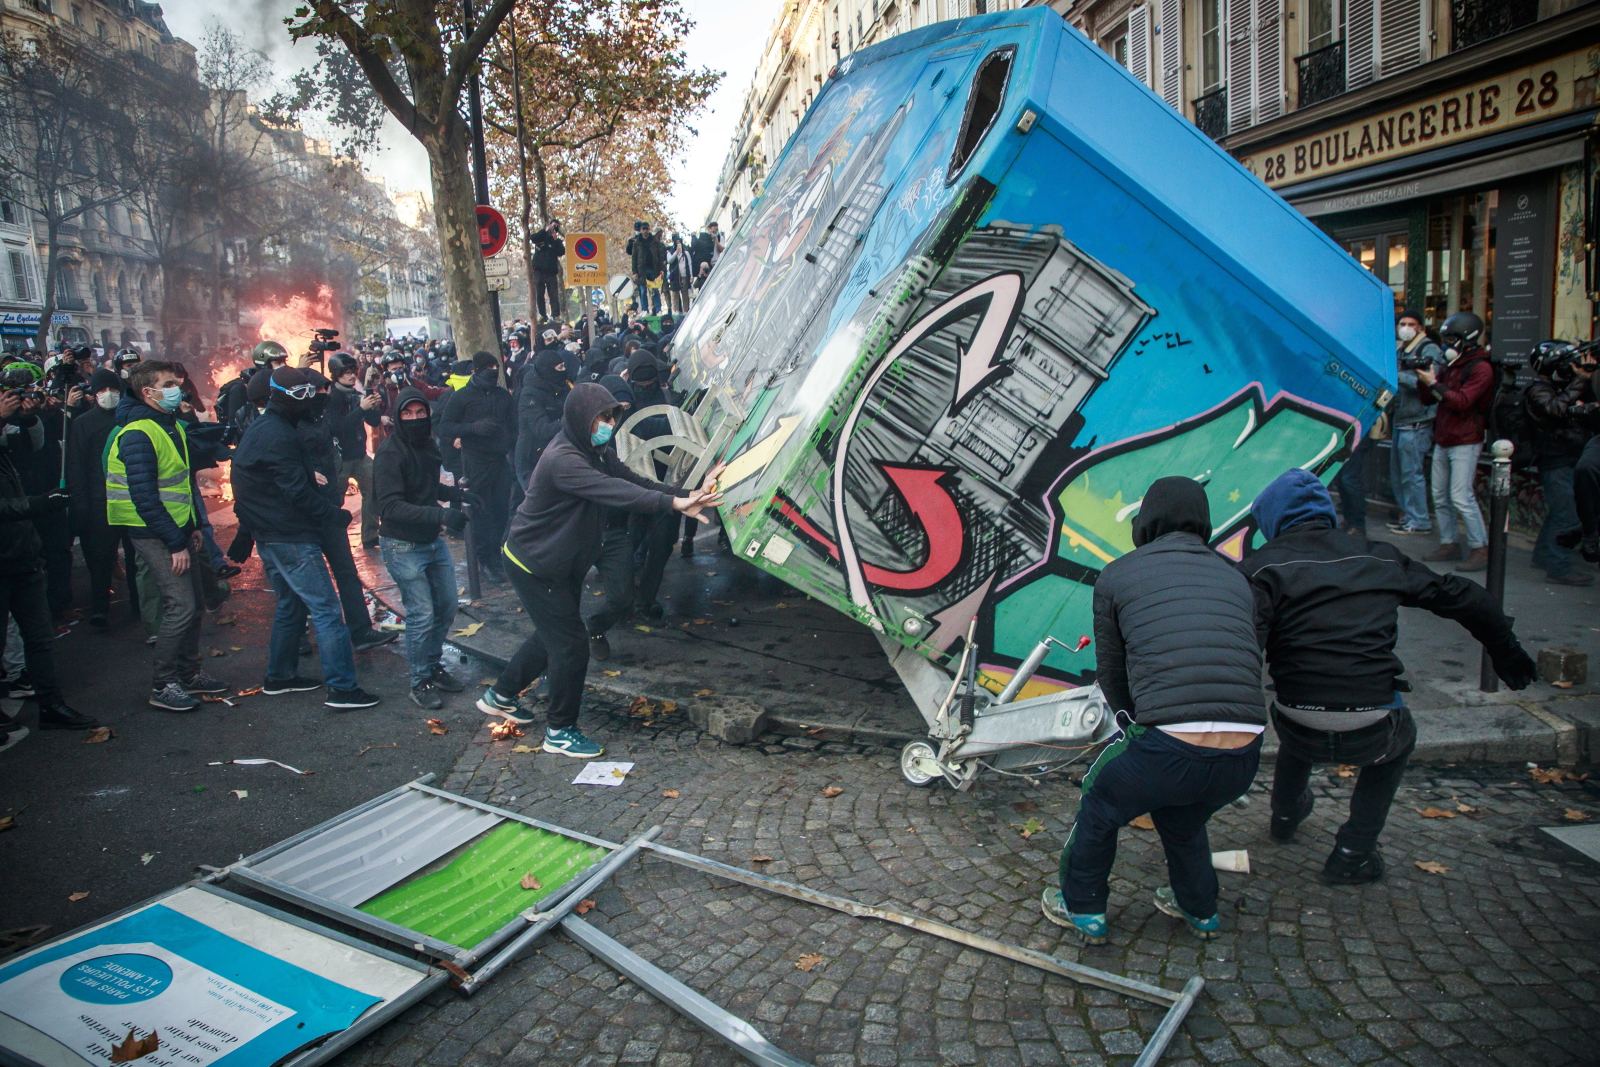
1494, 580
474, 579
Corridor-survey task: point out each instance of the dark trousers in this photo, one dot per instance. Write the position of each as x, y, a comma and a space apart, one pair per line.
25, 597
1352, 487
352, 595
98, 544
1586, 487
490, 478
548, 294
1180, 786
616, 578
55, 536
557, 648
1380, 750
655, 535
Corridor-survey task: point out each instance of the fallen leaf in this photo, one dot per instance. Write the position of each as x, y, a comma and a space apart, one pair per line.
226, 620
77, 896
642, 629
133, 1048
485, 681
705, 692
668, 707
1431, 867
99, 735
1143, 822
670, 794
1575, 815
1346, 770
235, 648
1435, 813
1029, 828
724, 603
1554, 775
832, 791
500, 731
818, 731
780, 604
1464, 809
468, 631
760, 859
241, 793
702, 622
612, 674
808, 961
252, 691
369, 748
523, 748
215, 652
530, 882
1562, 685
617, 772
147, 857
438, 727
640, 706
9, 822
585, 906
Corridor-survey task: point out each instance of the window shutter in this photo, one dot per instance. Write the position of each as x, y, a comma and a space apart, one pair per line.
1361, 29
1400, 43
1139, 43
1170, 34
1269, 59
1240, 78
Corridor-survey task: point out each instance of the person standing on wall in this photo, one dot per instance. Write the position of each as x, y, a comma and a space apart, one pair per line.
1463, 391
483, 418
1413, 427
548, 293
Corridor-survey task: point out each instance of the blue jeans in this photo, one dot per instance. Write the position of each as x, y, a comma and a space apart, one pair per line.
426, 577
1560, 514
300, 578
1407, 460
1453, 468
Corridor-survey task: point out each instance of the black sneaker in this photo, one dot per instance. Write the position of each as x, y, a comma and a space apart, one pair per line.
373, 639
350, 699
424, 696
173, 697
22, 688
687, 549
229, 570
653, 611
1348, 867
599, 647
446, 682
58, 716
273, 687
1284, 826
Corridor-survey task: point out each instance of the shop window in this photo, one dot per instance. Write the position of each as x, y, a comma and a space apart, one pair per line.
1386, 255
988, 93
1460, 257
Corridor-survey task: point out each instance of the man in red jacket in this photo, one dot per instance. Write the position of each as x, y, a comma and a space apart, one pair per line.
1463, 391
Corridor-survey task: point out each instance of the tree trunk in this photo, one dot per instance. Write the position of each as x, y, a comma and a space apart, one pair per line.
544, 190
41, 339
466, 288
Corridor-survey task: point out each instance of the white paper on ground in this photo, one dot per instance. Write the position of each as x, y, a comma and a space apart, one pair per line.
1235, 860
596, 773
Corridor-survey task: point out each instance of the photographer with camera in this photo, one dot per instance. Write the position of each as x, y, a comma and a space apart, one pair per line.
233, 397
1570, 396
61, 394
1463, 390
1413, 426
1553, 403
548, 247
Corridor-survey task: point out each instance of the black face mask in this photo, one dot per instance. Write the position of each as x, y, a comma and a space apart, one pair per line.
319, 404
415, 432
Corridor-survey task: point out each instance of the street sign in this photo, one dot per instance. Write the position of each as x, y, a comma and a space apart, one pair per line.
586, 258
499, 283
497, 267
491, 230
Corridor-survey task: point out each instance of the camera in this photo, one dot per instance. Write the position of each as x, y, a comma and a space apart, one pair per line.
325, 341
1413, 363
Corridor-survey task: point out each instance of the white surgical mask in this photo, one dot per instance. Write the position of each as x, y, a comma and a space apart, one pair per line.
108, 399
1452, 353
1407, 334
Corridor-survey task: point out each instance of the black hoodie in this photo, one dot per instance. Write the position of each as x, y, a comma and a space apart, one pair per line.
405, 481
1174, 623
539, 405
556, 532
482, 416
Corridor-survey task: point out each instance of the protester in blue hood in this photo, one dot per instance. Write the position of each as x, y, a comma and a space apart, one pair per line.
1326, 613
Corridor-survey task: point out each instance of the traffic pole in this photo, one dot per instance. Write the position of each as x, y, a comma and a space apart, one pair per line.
1494, 579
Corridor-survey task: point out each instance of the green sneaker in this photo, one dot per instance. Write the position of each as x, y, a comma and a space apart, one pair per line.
492, 703
1204, 929
1091, 929
569, 742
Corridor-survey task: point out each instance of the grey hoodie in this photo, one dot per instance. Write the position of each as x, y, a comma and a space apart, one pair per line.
556, 532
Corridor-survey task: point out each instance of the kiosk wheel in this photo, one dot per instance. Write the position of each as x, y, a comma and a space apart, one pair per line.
910, 757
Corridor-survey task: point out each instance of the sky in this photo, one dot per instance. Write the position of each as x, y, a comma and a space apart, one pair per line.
728, 37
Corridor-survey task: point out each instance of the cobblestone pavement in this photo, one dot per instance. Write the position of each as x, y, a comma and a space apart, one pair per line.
1494, 961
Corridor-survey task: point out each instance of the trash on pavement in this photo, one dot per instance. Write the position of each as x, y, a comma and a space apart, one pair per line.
596, 772
1237, 860
259, 763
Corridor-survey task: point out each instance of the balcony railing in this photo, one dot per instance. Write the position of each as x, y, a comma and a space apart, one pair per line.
1211, 113
1476, 21
71, 303
1321, 74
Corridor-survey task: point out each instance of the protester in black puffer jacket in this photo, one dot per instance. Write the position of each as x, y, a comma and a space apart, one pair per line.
482, 416
544, 390
1178, 663
1327, 613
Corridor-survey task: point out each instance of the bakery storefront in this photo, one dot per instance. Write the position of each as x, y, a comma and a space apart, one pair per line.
1468, 195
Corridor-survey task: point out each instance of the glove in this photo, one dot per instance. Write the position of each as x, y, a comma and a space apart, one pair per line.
48, 503
1514, 666
240, 548
344, 517
455, 520
469, 497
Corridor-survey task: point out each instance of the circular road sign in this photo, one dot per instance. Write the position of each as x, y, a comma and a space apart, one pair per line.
491, 230
585, 248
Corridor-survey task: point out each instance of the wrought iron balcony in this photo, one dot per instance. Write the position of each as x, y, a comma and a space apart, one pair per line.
1476, 21
1321, 74
1211, 113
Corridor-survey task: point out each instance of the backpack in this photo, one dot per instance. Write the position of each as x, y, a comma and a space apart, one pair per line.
1506, 414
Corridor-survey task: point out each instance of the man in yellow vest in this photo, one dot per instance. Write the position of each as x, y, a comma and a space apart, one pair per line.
150, 494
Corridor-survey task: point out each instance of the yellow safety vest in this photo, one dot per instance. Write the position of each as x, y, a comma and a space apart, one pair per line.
172, 476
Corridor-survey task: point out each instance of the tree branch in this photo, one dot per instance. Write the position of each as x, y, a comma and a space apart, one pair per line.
467, 53
373, 66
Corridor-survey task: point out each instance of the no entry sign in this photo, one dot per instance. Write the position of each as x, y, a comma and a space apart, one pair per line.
491, 230
586, 259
